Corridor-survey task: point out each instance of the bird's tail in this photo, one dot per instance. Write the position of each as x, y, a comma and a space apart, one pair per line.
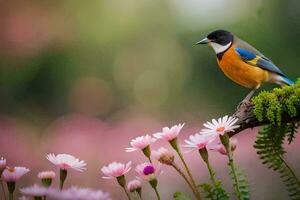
280, 79
287, 81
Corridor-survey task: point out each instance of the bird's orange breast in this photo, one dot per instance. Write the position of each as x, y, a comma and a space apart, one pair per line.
239, 71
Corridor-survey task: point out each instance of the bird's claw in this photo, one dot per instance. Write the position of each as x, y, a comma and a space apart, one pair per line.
243, 105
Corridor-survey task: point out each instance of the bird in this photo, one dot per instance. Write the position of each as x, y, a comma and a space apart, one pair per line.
242, 63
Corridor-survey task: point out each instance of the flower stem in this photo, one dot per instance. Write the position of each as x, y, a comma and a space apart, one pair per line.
11, 196
157, 194
204, 154
225, 141
127, 194
63, 175
184, 177
211, 173
11, 186
140, 196
153, 184
198, 197
3, 190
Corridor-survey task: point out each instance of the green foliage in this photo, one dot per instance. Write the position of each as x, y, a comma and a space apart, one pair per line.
269, 146
214, 193
239, 183
271, 105
181, 196
292, 129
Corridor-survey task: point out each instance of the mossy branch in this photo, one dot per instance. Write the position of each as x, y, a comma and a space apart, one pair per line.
280, 105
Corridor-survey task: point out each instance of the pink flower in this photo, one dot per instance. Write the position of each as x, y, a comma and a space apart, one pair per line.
199, 141
169, 133
147, 171
76, 193
66, 161
34, 191
115, 170
12, 174
23, 198
222, 126
46, 175
140, 143
219, 147
2, 164
164, 156
134, 185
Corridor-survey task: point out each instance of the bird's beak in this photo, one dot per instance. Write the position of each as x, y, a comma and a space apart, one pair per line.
204, 41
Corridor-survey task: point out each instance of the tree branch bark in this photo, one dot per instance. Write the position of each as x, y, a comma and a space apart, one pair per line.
247, 118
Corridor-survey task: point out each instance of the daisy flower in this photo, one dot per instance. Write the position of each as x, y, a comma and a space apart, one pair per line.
169, 134
147, 171
34, 191
141, 143
76, 193
220, 126
13, 174
164, 156
199, 141
134, 186
2, 165
219, 147
46, 177
66, 161
115, 170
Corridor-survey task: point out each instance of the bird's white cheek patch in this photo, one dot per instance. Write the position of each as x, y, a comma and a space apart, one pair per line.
219, 48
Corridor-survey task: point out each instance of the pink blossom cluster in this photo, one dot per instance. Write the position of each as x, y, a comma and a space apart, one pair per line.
208, 138
146, 172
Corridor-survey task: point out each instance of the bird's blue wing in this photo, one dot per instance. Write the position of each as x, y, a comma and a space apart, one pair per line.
258, 61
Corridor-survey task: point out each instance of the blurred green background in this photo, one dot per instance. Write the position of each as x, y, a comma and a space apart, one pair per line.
98, 57
117, 60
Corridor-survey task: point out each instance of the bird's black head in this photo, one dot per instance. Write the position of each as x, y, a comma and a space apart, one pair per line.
219, 40
221, 37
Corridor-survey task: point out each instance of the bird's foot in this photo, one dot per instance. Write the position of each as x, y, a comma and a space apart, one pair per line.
244, 104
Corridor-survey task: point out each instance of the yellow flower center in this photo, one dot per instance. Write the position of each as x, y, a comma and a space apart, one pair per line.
11, 169
221, 129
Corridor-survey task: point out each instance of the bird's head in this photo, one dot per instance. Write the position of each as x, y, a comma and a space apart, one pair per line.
219, 40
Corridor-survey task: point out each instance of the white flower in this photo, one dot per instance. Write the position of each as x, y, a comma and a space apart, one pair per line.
66, 161
199, 141
12, 174
46, 175
169, 133
134, 185
115, 170
220, 126
140, 143
76, 193
34, 191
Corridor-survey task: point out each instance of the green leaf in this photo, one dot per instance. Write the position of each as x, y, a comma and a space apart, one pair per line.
214, 193
292, 129
269, 147
181, 196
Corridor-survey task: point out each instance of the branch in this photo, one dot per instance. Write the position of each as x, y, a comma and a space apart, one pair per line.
247, 118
